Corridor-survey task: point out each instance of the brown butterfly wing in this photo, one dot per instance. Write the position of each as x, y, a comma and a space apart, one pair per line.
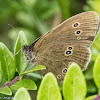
78, 33
56, 59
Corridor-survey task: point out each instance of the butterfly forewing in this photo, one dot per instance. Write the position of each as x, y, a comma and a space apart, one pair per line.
88, 23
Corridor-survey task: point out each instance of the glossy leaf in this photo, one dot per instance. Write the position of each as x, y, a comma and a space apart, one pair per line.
20, 59
26, 83
74, 85
34, 75
34, 68
7, 62
22, 94
6, 90
91, 97
96, 72
49, 89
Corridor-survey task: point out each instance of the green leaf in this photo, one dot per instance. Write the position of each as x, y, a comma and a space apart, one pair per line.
20, 59
30, 34
74, 85
26, 83
0, 77
91, 97
49, 89
7, 62
34, 76
22, 94
35, 68
6, 90
95, 5
96, 72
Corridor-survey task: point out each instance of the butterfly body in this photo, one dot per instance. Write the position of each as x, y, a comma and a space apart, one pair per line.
68, 42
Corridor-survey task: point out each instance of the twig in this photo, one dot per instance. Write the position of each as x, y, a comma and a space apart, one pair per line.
11, 82
97, 98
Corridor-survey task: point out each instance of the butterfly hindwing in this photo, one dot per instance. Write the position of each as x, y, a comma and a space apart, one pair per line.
57, 57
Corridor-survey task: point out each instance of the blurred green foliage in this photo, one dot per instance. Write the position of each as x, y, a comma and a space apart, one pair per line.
36, 17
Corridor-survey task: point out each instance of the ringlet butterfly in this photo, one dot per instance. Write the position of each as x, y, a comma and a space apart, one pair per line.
68, 42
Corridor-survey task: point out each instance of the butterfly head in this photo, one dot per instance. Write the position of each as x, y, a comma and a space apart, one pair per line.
29, 53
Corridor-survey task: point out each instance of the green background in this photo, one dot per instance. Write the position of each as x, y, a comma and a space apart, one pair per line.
36, 17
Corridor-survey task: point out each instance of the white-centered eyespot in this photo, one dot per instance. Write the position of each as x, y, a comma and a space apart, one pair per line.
68, 52
64, 70
78, 32
58, 76
70, 48
76, 24
78, 38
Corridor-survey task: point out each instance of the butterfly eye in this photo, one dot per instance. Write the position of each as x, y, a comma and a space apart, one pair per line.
30, 49
64, 70
58, 76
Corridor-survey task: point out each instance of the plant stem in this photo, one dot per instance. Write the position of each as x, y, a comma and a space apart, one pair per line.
11, 82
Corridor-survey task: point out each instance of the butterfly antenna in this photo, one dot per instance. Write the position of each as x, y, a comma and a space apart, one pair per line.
13, 28
17, 33
18, 51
